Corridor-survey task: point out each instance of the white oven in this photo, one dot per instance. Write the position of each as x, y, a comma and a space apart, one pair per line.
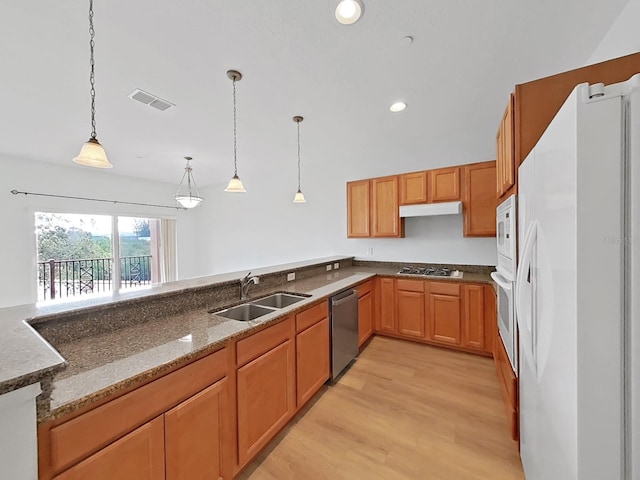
506, 238
506, 275
507, 317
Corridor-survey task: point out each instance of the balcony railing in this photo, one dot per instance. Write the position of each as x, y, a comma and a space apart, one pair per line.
69, 278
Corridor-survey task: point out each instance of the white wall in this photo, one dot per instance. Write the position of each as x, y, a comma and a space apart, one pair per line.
263, 226
18, 242
623, 38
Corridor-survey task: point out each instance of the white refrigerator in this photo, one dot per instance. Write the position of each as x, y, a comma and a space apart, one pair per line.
578, 290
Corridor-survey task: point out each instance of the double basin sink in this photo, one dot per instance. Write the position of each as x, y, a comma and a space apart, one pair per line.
262, 306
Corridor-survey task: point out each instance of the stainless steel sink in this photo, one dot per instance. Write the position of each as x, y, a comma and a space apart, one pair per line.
245, 312
279, 300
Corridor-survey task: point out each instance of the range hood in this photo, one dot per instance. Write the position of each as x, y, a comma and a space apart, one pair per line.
431, 209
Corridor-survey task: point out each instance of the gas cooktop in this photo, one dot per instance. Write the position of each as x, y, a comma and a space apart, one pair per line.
430, 271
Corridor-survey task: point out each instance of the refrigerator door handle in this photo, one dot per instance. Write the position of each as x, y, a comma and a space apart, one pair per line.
524, 296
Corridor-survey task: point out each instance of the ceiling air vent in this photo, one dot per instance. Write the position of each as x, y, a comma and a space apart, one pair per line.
150, 99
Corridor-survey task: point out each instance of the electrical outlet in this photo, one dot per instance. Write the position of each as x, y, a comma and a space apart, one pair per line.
336, 266
370, 251
328, 267
291, 276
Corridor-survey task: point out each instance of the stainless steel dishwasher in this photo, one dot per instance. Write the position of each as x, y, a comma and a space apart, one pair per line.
344, 330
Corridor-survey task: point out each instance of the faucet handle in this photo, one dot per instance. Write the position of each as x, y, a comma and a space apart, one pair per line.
245, 278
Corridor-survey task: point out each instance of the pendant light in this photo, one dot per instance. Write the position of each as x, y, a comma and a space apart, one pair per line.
299, 196
188, 197
92, 154
235, 184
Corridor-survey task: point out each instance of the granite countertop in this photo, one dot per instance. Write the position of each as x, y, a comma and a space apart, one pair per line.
27, 358
91, 366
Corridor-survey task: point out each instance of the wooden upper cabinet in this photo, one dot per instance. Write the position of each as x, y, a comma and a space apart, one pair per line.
385, 208
359, 209
197, 436
480, 200
413, 188
505, 140
140, 454
444, 185
537, 102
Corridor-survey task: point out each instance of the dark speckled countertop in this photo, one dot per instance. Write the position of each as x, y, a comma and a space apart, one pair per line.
105, 362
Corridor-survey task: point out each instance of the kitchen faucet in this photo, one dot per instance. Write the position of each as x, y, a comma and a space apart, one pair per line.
245, 283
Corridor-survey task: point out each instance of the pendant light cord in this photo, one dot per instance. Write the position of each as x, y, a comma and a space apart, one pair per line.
92, 75
298, 123
235, 144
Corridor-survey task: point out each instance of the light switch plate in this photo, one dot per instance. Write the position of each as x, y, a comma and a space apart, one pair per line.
291, 276
336, 266
328, 268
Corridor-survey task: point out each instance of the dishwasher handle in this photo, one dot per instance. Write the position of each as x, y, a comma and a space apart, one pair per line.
340, 300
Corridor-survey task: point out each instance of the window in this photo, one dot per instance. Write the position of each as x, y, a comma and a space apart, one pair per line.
76, 254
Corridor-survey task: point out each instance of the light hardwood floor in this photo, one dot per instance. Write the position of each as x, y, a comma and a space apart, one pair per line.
403, 411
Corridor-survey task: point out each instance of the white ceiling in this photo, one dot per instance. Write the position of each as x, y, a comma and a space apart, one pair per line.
296, 59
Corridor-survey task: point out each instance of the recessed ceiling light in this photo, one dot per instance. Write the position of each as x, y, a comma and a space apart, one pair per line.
348, 11
398, 107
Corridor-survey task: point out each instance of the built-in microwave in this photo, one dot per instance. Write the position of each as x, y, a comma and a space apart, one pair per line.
506, 238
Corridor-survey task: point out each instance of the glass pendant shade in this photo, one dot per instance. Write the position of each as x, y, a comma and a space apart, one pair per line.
299, 197
187, 194
188, 201
92, 154
235, 185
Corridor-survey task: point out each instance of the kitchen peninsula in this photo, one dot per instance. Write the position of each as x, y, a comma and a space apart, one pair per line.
118, 348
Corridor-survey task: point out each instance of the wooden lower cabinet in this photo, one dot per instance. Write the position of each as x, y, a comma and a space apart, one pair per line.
266, 398
473, 332
138, 455
387, 317
197, 437
366, 306
410, 299
313, 365
508, 386
445, 321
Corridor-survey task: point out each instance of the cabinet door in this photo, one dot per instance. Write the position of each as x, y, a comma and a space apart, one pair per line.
359, 209
312, 360
138, 455
444, 313
266, 398
480, 200
473, 318
387, 306
444, 185
385, 207
413, 188
197, 437
411, 317
506, 151
365, 317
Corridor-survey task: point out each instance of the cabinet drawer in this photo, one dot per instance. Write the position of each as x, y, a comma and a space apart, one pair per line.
410, 285
312, 316
252, 347
74, 440
445, 288
364, 288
